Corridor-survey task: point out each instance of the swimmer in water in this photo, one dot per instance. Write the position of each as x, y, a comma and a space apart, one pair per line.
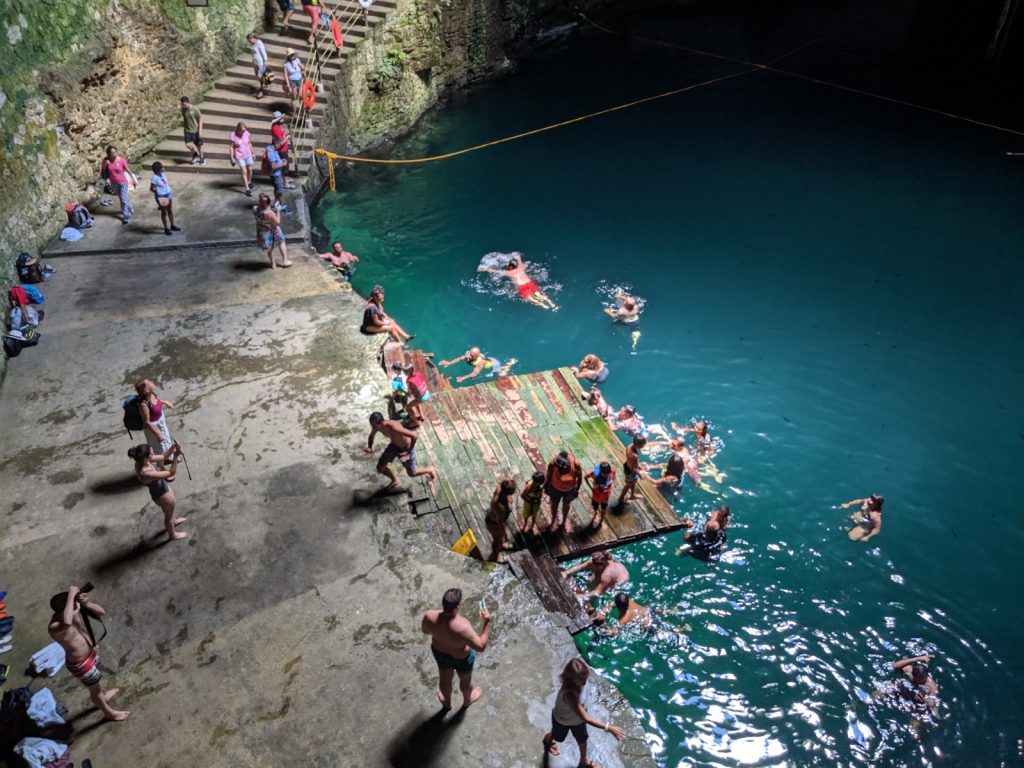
628, 610
529, 291
627, 313
705, 446
679, 462
340, 258
605, 573
591, 368
596, 401
709, 541
627, 420
479, 363
867, 520
918, 690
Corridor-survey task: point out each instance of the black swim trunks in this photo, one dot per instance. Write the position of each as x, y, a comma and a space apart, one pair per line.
557, 496
158, 488
393, 451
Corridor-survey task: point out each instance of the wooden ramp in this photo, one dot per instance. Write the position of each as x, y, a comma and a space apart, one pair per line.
552, 588
477, 435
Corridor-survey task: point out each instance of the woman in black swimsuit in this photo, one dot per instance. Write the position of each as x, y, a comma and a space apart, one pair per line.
376, 320
149, 468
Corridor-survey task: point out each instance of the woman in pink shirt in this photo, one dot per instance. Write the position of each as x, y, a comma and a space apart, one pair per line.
114, 170
241, 153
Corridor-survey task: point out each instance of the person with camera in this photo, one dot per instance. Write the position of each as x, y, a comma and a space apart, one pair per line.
70, 628
153, 473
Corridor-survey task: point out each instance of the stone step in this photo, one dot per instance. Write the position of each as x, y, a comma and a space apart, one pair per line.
244, 103
246, 86
174, 150
258, 125
219, 135
243, 70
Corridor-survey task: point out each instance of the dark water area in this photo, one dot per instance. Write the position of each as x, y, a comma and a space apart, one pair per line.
833, 281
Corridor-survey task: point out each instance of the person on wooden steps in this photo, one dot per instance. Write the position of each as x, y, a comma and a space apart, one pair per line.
570, 714
497, 517
402, 446
631, 470
600, 481
454, 644
562, 484
161, 189
68, 628
376, 320
532, 495
419, 393
192, 121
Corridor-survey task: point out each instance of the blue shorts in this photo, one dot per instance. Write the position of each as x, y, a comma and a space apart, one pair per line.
267, 238
496, 366
278, 179
393, 451
425, 398
461, 667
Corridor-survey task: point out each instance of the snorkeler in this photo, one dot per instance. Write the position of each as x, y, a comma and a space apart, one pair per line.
529, 291
868, 519
591, 368
627, 313
480, 363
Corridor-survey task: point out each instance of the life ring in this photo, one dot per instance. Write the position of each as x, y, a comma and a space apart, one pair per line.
336, 32
308, 94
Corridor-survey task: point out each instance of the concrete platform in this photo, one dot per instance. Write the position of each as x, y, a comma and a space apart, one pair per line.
285, 630
213, 212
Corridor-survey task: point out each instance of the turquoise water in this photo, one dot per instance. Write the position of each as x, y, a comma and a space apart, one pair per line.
834, 283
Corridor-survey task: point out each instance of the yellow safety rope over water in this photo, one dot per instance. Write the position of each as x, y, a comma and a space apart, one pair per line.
406, 161
828, 84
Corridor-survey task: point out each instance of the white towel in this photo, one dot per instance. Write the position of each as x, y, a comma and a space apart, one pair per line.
49, 660
42, 709
38, 752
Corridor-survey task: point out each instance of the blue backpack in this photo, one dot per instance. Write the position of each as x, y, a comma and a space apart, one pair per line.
35, 296
132, 417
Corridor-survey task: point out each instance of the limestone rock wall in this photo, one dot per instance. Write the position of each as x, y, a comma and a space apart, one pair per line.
429, 48
80, 74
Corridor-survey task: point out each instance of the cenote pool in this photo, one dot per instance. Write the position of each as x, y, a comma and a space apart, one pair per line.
834, 283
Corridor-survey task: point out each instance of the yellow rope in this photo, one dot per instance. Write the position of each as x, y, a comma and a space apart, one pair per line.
769, 68
405, 161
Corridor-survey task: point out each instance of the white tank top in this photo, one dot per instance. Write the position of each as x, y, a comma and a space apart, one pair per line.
565, 712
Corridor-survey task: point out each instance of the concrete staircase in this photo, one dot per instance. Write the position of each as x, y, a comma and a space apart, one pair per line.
233, 97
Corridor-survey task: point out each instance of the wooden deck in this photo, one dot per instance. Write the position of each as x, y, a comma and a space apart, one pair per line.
475, 436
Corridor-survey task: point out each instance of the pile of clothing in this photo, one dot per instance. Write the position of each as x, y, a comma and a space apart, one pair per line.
26, 312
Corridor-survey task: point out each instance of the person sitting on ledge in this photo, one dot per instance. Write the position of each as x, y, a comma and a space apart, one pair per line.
479, 362
376, 320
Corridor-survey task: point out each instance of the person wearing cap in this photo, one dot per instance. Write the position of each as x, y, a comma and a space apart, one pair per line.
278, 131
192, 121
293, 71
259, 61
562, 484
278, 164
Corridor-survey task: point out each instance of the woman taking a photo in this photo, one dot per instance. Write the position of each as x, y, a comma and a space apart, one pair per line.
149, 468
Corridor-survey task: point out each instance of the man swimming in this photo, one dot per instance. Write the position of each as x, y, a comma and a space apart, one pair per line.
401, 447
605, 573
627, 313
479, 363
627, 420
529, 291
709, 541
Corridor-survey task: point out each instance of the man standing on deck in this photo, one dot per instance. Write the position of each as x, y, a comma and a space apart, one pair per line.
562, 485
67, 627
455, 644
401, 447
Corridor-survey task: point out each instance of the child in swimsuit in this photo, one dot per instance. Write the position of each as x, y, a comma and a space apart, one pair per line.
600, 480
532, 495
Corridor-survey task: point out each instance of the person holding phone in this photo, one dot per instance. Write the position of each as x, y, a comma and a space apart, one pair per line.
454, 644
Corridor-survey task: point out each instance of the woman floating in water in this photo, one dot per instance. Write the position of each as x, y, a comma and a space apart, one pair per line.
867, 520
591, 368
529, 291
480, 363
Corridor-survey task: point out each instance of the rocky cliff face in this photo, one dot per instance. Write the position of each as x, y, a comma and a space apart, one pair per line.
428, 48
80, 74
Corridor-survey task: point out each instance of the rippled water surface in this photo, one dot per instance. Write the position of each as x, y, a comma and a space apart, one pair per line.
834, 283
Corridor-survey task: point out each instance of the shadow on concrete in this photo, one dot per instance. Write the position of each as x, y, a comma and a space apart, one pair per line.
137, 552
113, 487
365, 498
424, 743
252, 265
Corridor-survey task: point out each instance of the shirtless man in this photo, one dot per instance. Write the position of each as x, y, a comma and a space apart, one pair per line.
628, 311
340, 258
401, 447
631, 470
455, 644
528, 290
630, 610
67, 627
605, 573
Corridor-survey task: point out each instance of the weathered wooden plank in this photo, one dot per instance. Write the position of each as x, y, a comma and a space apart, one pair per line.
541, 573
572, 391
507, 390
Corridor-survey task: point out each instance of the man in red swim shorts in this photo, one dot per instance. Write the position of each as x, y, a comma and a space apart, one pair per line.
528, 290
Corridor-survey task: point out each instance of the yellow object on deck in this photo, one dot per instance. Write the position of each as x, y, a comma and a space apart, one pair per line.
466, 544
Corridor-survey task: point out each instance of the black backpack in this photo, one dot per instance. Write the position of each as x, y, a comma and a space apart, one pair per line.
79, 217
16, 700
132, 417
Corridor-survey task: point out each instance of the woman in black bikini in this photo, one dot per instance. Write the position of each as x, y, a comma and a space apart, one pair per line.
149, 468
376, 320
